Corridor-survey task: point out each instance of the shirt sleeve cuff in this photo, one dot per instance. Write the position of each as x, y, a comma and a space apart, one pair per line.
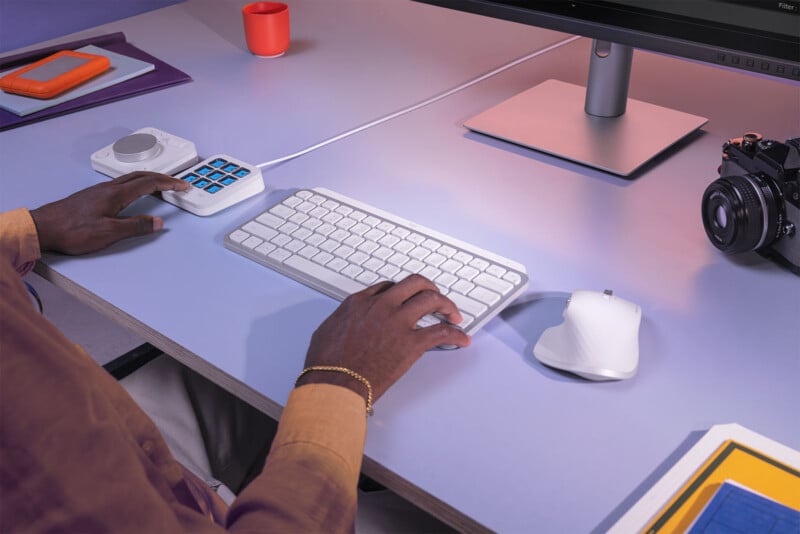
19, 240
330, 416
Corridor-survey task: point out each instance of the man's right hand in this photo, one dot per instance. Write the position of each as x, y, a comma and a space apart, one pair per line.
374, 333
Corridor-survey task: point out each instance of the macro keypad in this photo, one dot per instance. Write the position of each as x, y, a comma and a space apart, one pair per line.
217, 183
215, 175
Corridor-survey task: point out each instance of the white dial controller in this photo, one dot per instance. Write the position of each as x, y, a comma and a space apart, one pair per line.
148, 149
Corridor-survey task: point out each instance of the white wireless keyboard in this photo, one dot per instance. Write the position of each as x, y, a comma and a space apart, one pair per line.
339, 246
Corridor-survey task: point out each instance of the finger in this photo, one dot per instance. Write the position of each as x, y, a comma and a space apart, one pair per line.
410, 286
146, 184
431, 302
142, 183
443, 334
135, 226
377, 288
135, 175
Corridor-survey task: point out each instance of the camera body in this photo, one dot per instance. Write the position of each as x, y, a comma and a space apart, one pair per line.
755, 203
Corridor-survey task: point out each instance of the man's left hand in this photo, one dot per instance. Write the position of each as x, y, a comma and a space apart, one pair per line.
88, 220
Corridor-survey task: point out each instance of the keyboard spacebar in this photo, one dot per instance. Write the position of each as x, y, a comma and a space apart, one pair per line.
332, 282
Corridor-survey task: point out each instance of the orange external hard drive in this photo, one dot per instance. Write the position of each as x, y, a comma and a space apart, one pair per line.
54, 74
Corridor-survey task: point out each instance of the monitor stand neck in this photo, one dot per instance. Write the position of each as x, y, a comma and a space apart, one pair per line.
609, 77
598, 126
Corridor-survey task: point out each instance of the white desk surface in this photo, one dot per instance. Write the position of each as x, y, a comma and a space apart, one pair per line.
485, 435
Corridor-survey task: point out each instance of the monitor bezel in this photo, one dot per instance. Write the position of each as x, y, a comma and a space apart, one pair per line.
717, 43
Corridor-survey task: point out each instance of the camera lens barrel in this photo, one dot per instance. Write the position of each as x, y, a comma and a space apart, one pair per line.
742, 213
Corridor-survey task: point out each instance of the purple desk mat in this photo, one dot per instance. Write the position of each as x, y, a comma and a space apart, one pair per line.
164, 75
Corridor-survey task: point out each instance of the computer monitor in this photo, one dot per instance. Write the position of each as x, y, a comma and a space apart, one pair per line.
599, 125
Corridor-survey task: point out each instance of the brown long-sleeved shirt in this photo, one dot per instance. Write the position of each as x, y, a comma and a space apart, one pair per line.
78, 455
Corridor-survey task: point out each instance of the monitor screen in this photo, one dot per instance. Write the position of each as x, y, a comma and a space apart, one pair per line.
759, 36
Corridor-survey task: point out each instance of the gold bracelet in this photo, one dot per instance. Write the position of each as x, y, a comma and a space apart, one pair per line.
346, 371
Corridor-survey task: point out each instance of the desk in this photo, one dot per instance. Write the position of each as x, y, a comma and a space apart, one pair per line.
484, 436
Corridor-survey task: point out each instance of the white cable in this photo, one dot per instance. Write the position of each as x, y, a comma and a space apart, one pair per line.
421, 104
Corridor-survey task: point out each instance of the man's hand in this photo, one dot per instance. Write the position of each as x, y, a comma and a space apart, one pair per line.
87, 221
374, 333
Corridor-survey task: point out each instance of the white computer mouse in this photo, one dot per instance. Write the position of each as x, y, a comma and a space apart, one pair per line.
598, 340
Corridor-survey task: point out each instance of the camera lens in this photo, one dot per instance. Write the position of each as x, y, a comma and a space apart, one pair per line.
742, 213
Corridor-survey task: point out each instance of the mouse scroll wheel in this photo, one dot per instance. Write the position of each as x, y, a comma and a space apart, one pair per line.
607, 292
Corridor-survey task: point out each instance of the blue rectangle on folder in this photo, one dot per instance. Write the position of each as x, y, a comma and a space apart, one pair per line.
737, 509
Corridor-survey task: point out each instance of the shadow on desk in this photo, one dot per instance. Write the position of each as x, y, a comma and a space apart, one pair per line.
532, 314
649, 482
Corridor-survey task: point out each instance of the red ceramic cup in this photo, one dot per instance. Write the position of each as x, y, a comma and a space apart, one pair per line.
266, 28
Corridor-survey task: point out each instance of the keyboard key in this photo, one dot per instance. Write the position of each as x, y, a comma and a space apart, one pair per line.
358, 257
344, 210
295, 245
413, 266
312, 223
431, 244
302, 234
389, 240
416, 238
463, 287
280, 254
388, 271
303, 207
308, 251
265, 248
282, 211
383, 253
367, 278
264, 232
472, 307
430, 272
315, 239
237, 236
446, 280
293, 201
281, 239
419, 253
435, 259
252, 242
353, 241
400, 232
448, 252
496, 270
484, 295
373, 264
322, 258
268, 219
326, 276
299, 218
468, 272
450, 266
336, 264
368, 246
495, 284
352, 271
330, 245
